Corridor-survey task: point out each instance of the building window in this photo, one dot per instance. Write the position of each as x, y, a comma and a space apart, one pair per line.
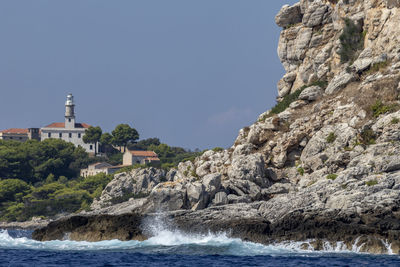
70, 135
49, 135
11, 137
79, 135
60, 135
91, 147
69, 120
20, 138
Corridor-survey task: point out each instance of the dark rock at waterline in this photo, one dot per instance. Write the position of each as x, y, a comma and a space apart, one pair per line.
93, 228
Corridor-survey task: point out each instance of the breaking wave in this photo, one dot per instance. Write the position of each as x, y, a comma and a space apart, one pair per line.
170, 241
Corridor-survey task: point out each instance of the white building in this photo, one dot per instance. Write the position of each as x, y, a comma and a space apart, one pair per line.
19, 134
100, 167
69, 130
132, 157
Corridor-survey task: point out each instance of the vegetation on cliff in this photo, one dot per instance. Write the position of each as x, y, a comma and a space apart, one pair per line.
42, 178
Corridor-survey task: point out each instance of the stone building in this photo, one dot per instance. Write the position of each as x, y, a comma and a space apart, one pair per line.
132, 157
69, 130
18, 134
100, 167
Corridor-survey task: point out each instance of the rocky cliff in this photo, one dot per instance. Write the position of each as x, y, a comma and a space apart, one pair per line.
323, 165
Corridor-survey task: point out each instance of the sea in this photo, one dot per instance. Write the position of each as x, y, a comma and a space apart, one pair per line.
174, 248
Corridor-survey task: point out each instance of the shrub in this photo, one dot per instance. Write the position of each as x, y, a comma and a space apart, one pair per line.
379, 108
194, 174
351, 41
289, 99
368, 136
371, 182
300, 170
286, 101
331, 138
331, 176
218, 149
394, 121
377, 67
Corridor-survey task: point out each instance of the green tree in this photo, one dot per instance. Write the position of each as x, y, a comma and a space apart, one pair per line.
92, 135
10, 187
123, 134
144, 144
351, 41
106, 139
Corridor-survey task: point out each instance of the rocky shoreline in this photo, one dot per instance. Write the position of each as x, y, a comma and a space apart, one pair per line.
370, 232
325, 167
27, 225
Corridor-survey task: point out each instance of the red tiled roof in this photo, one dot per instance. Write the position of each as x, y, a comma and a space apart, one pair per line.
62, 125
140, 153
15, 131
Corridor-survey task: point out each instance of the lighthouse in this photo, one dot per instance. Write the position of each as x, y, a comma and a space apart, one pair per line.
70, 130
69, 112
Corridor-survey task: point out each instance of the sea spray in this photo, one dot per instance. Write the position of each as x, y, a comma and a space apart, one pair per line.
167, 241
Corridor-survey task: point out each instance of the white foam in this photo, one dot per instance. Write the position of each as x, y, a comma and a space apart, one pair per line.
175, 239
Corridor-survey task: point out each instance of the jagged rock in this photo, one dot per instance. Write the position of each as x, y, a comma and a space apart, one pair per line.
326, 146
197, 195
392, 3
297, 104
364, 60
126, 185
314, 14
283, 88
234, 199
220, 198
250, 168
244, 188
277, 189
212, 183
311, 93
167, 196
288, 15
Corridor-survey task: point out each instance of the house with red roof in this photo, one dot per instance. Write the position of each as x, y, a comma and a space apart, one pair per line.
69, 130
132, 157
19, 134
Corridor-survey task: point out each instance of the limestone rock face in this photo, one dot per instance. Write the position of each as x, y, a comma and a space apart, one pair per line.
289, 15
137, 182
167, 196
250, 168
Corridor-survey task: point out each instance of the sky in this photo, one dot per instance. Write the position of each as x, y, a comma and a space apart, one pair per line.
192, 73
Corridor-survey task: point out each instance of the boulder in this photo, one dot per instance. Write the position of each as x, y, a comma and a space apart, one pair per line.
167, 196
311, 93
197, 195
364, 60
250, 167
339, 82
212, 183
288, 15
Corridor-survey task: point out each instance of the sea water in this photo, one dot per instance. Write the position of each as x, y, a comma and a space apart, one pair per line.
174, 248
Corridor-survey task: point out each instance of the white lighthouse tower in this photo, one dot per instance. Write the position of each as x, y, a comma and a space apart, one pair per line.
69, 112
70, 130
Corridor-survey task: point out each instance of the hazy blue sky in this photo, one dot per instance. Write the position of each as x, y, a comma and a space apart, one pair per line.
189, 72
